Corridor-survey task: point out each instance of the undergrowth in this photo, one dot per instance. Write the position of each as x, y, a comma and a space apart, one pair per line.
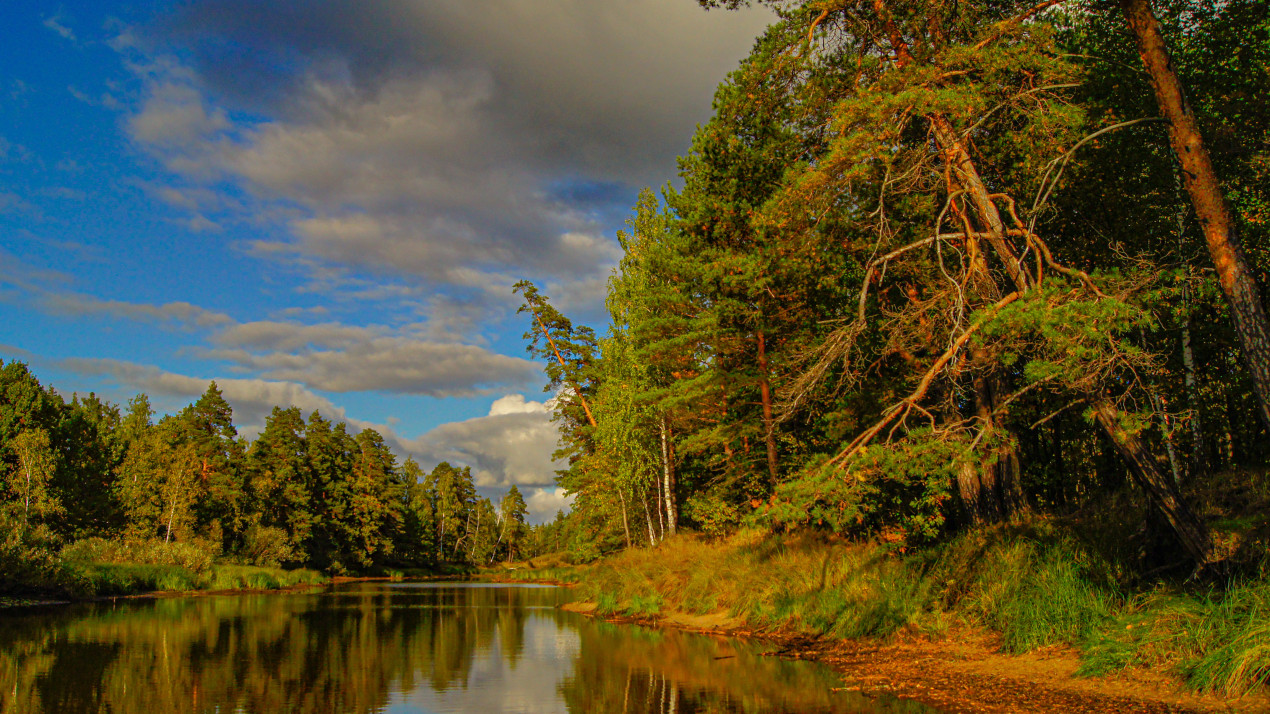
98, 567
1036, 584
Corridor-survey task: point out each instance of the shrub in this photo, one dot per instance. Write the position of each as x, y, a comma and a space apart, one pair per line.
267, 546
140, 552
28, 565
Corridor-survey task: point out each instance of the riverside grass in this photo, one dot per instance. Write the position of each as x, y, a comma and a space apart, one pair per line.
1032, 583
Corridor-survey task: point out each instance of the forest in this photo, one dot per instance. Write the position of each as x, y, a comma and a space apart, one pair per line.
86, 481
934, 266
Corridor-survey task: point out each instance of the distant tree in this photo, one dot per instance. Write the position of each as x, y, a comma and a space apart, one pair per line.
207, 426
454, 498
417, 541
29, 481
279, 480
511, 521
88, 432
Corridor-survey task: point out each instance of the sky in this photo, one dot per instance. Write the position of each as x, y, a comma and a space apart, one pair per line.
325, 203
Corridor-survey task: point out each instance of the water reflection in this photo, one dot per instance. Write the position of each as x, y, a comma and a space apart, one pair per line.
379, 647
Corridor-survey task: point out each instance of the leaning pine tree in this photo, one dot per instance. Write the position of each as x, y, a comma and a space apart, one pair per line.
947, 130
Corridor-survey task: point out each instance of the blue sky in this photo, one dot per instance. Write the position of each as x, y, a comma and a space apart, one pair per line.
325, 203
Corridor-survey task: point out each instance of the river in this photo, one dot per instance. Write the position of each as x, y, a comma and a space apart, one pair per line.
394, 648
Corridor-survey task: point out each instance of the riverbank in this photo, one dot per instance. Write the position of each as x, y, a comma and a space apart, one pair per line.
1025, 611
965, 671
97, 568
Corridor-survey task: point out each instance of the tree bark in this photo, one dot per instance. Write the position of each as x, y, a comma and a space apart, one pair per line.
668, 477
999, 474
1233, 272
1145, 470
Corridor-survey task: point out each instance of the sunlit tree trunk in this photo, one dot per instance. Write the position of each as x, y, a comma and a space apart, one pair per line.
668, 477
1233, 272
648, 516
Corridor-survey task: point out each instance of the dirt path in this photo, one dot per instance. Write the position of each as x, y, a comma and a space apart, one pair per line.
965, 672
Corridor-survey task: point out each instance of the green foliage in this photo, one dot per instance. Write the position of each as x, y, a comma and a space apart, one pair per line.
900, 487
186, 556
267, 546
712, 514
1039, 595
29, 565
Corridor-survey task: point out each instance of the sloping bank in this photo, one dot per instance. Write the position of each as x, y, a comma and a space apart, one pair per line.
1016, 604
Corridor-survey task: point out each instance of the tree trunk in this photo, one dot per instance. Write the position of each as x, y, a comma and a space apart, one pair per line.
1199, 459
1145, 470
1233, 272
769, 424
1000, 494
648, 516
1142, 464
668, 477
626, 526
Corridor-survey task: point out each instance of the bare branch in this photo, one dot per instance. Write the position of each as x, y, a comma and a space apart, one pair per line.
907, 404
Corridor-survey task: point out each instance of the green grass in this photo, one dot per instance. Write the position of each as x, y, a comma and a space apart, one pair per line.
1035, 584
131, 578
251, 577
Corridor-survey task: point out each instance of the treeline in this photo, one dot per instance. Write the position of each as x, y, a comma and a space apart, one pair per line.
304, 493
933, 265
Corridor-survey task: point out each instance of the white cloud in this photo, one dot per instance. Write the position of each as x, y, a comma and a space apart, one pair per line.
341, 358
515, 404
175, 118
251, 399
512, 445
543, 503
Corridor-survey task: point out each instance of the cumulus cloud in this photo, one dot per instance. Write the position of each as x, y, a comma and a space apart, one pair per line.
334, 357
511, 445
430, 140
329, 357
544, 503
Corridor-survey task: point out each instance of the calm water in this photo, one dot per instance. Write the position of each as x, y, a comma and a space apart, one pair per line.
381, 647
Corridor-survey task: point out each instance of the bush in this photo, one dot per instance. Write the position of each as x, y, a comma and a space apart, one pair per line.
145, 552
267, 546
29, 566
